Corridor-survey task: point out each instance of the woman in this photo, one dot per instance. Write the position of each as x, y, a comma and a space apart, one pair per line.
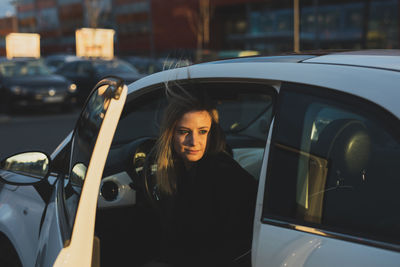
206, 200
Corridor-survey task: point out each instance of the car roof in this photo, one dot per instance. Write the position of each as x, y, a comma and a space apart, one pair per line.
293, 58
379, 59
365, 77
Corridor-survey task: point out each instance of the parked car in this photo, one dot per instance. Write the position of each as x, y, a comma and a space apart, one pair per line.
29, 83
320, 134
145, 65
56, 61
85, 73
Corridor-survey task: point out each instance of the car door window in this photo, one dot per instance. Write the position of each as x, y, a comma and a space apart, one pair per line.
83, 142
333, 165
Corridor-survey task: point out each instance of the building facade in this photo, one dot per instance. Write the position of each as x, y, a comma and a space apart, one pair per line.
7, 25
184, 27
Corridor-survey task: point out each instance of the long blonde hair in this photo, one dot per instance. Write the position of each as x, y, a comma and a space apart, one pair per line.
181, 101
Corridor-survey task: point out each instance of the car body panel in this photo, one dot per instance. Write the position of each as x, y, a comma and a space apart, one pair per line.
79, 251
259, 200
22, 204
285, 247
384, 59
50, 240
40, 90
286, 58
39, 80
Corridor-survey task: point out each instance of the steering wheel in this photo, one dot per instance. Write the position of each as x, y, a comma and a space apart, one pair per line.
144, 169
149, 177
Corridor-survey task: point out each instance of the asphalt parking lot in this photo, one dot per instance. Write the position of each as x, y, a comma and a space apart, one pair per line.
34, 130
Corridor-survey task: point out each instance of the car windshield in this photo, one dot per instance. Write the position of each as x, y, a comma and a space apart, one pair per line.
23, 68
113, 66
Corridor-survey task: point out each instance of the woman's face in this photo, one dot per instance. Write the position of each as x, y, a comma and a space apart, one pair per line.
191, 135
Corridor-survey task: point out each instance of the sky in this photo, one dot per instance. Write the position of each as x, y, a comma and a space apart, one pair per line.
6, 8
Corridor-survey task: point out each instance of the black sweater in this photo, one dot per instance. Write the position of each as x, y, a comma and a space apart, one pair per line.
208, 222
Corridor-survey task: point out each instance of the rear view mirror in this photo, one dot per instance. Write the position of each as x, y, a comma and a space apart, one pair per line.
33, 167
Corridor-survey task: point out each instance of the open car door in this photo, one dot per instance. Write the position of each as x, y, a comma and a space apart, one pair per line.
90, 144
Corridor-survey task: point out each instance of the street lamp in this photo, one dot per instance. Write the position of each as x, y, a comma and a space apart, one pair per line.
296, 27
15, 3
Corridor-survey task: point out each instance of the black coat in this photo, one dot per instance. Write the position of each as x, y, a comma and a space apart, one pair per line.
208, 222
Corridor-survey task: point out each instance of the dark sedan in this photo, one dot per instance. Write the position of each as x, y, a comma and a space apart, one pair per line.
30, 83
85, 73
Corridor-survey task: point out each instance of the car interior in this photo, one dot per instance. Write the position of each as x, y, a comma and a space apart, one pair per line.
126, 223
339, 163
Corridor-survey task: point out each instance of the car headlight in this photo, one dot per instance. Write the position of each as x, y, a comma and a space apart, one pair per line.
18, 90
72, 87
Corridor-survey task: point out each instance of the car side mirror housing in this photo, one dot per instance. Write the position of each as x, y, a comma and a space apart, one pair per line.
33, 168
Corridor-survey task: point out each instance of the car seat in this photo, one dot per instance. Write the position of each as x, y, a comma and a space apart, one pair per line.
346, 144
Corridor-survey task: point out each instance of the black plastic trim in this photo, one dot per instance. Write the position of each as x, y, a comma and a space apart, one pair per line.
65, 230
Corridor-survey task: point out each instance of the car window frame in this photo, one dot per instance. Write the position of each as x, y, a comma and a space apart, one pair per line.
63, 167
72, 245
340, 100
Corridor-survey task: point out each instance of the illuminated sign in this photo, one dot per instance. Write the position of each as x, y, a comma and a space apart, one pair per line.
23, 45
94, 42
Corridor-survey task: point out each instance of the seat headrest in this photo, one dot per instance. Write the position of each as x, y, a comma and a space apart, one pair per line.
348, 142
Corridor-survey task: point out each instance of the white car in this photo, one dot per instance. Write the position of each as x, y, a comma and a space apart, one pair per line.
321, 134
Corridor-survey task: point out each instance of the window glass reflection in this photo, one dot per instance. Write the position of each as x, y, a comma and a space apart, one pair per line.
84, 140
78, 174
32, 163
334, 165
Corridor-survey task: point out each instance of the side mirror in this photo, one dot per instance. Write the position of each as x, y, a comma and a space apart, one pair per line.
33, 167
